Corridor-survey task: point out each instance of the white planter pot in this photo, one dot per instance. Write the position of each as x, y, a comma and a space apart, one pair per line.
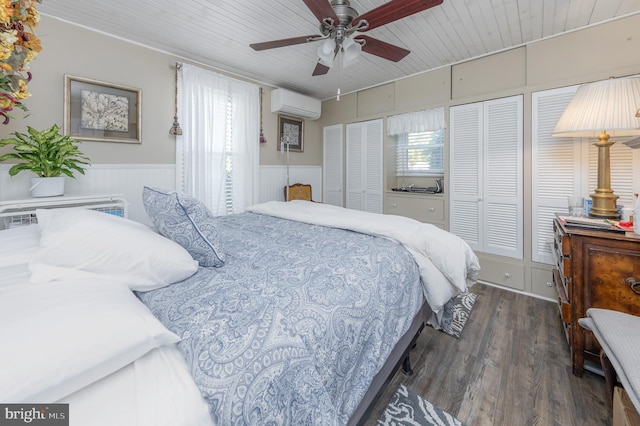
47, 186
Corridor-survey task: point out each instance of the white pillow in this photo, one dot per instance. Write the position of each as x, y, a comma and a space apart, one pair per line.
82, 243
58, 338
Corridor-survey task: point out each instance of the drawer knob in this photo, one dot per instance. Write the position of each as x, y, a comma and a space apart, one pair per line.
507, 275
549, 284
633, 284
432, 209
395, 205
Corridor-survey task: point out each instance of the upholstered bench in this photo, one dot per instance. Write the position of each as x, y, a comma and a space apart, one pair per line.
619, 336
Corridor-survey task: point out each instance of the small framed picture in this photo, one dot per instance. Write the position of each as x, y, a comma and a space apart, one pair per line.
290, 133
102, 112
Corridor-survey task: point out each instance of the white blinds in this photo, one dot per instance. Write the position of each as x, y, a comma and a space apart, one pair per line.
420, 142
420, 154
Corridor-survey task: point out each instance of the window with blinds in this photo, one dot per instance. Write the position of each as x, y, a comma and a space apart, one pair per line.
420, 154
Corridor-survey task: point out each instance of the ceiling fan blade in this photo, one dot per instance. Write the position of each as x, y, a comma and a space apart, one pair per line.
383, 49
392, 11
320, 69
322, 9
281, 43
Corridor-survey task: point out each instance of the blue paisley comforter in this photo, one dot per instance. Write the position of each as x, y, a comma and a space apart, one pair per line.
292, 329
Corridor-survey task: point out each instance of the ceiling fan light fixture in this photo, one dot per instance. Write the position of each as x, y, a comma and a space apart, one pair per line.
326, 52
350, 51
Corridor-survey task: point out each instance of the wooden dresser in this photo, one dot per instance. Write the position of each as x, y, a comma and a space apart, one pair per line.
593, 269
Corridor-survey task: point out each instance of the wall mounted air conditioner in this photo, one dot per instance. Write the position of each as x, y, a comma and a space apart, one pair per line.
292, 103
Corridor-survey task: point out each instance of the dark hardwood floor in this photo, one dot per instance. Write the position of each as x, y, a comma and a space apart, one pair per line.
511, 366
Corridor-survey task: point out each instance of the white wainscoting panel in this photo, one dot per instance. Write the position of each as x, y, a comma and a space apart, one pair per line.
273, 179
129, 179
101, 179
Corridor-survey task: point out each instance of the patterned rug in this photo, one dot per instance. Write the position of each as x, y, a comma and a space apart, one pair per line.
407, 408
456, 313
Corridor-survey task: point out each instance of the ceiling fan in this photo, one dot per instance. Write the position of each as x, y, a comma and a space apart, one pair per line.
339, 23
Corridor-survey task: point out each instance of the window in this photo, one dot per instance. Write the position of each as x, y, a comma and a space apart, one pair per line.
420, 153
420, 142
217, 159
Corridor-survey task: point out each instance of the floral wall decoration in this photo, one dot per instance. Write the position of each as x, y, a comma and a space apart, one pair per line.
18, 47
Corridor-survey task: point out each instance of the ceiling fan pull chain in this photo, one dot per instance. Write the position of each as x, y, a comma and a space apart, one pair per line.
339, 55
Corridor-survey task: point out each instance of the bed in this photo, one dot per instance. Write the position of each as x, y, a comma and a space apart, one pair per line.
282, 314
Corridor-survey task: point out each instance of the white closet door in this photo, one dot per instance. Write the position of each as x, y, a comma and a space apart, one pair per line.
555, 168
332, 165
486, 173
465, 168
373, 166
355, 165
364, 166
503, 177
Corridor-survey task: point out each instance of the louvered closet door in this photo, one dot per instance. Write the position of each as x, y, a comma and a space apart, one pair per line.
486, 163
503, 177
355, 165
373, 166
465, 167
364, 166
332, 164
555, 171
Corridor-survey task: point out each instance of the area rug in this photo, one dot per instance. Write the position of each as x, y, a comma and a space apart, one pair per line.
408, 408
456, 313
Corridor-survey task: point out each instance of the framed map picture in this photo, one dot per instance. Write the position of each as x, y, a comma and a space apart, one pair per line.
103, 112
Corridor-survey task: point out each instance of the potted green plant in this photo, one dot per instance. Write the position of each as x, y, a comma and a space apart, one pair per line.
49, 155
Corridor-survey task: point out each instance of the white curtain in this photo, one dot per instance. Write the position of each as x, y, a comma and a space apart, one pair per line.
217, 156
414, 122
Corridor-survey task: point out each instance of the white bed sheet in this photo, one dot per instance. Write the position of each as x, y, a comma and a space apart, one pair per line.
16, 246
156, 389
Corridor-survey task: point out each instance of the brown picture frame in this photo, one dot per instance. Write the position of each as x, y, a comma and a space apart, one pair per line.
291, 131
102, 112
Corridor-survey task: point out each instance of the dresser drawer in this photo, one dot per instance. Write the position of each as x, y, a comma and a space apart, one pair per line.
421, 208
563, 301
562, 252
606, 271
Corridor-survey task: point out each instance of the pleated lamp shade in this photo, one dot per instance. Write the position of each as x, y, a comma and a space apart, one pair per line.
607, 105
601, 110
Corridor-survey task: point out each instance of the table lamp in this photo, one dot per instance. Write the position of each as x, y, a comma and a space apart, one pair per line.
603, 109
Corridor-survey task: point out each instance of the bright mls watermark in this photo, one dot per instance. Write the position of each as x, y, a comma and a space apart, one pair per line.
34, 414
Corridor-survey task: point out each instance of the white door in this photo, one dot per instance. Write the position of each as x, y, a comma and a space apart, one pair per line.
364, 166
486, 173
555, 173
332, 165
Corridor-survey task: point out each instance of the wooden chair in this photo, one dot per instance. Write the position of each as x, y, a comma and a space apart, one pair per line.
298, 191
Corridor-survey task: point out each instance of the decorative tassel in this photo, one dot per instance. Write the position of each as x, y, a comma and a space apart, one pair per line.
175, 130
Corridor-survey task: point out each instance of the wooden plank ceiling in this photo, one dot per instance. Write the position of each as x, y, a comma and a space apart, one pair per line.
218, 33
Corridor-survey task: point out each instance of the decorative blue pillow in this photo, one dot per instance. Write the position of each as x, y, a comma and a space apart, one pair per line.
186, 221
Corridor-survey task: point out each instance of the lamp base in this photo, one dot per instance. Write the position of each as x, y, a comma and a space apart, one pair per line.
604, 205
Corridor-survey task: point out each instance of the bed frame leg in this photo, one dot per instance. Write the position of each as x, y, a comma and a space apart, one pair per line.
406, 366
